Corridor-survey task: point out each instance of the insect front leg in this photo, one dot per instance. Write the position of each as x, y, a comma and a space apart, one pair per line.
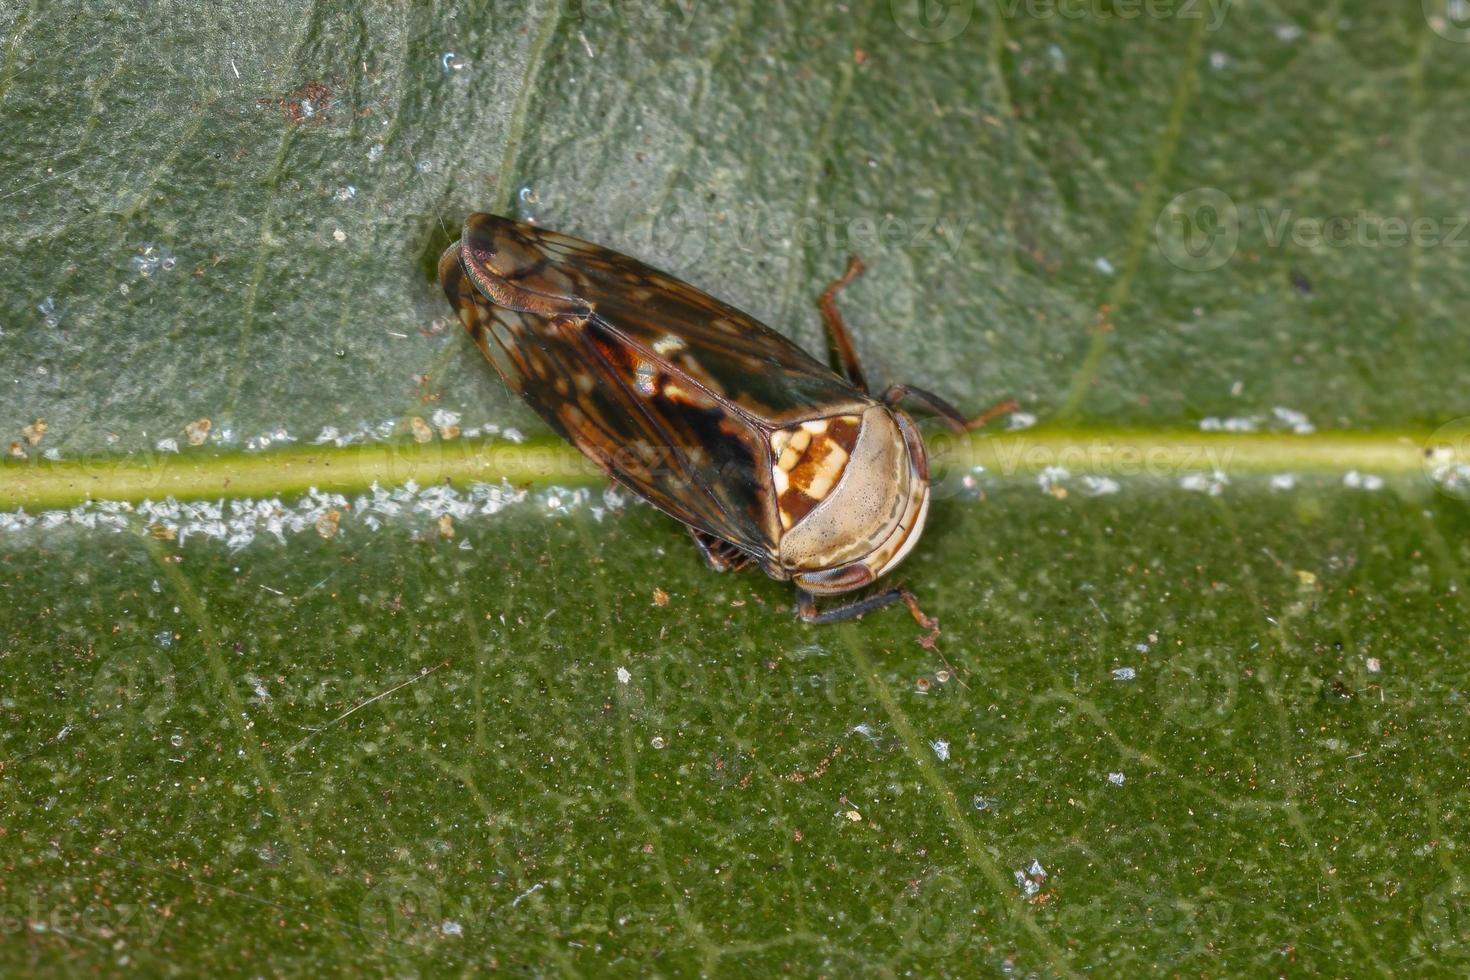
841, 342
837, 333
806, 608
946, 412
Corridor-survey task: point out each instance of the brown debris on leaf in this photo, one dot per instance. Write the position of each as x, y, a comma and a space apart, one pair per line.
797, 776
327, 524
34, 433
309, 103
197, 431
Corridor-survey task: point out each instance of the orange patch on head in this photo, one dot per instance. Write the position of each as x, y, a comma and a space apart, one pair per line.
810, 460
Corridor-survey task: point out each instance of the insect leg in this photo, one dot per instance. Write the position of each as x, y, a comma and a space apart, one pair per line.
944, 410
806, 608
720, 556
837, 330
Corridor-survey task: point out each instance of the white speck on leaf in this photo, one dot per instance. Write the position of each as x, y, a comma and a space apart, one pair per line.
1020, 420
529, 891
1297, 421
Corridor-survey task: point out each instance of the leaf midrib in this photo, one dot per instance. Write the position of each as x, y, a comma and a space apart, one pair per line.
202, 474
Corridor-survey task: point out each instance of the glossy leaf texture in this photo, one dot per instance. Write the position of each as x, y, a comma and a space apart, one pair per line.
1200, 717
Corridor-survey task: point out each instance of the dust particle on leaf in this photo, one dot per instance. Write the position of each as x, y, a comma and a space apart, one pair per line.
327, 524
660, 597
17, 450
421, 430
310, 102
197, 431
446, 527
34, 433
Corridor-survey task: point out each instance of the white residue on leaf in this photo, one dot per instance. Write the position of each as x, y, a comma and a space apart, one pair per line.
1116, 778
941, 749
1052, 477
277, 435
49, 316
1030, 878
1354, 480
1213, 484
1297, 421
1241, 424
1124, 673
1099, 486
167, 445
1283, 481
1020, 420
238, 522
623, 675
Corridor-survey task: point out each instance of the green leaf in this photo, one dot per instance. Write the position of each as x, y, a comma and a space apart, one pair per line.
313, 695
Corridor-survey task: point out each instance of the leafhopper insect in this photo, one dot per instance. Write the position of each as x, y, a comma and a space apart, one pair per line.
766, 455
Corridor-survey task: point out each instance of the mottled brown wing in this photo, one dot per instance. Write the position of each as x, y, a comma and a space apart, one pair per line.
644, 410
729, 353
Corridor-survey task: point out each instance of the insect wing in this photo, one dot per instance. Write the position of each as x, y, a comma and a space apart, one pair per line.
677, 448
